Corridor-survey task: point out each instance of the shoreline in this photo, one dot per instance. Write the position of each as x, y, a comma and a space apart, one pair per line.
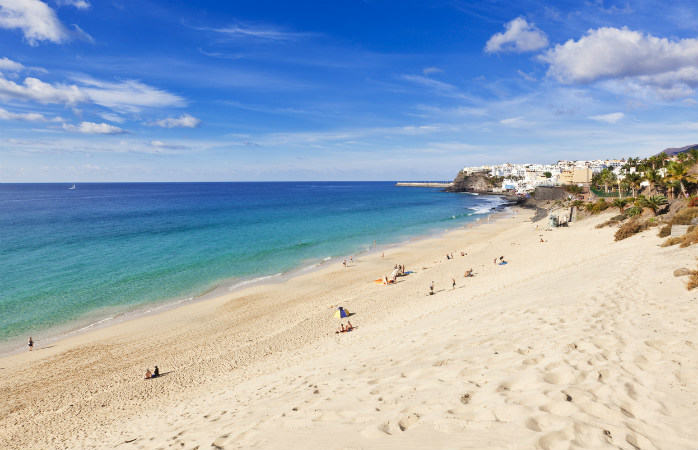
225, 287
487, 364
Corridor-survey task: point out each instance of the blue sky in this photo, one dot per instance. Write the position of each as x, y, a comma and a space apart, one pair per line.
352, 90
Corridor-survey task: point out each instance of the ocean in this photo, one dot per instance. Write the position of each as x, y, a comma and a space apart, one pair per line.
71, 259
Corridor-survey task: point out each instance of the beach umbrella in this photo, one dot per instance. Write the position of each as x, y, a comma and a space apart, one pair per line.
341, 313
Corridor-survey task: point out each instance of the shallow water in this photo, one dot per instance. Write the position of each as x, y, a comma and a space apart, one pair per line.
79, 256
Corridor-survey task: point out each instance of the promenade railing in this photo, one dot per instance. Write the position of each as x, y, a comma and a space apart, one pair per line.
610, 194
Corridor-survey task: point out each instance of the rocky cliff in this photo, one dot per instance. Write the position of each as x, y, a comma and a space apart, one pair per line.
475, 182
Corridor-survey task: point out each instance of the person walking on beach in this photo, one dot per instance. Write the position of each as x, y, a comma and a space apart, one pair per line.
453, 280
31, 344
431, 288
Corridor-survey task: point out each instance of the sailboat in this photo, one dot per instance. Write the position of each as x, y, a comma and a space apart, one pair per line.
73, 186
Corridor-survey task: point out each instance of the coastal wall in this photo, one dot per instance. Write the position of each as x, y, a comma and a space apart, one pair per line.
434, 185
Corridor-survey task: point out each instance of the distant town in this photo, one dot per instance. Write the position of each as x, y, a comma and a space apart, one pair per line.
524, 178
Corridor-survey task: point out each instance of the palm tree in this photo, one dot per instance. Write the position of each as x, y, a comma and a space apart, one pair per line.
653, 177
654, 203
652, 161
633, 179
662, 157
607, 178
679, 172
621, 203
693, 154
671, 186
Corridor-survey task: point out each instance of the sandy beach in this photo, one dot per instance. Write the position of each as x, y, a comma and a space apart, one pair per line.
576, 342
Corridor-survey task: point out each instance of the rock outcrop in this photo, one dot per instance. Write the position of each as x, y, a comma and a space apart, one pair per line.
476, 182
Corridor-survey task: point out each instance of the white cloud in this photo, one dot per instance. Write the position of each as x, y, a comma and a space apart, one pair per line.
641, 63
424, 81
93, 128
79, 4
27, 117
36, 90
112, 117
526, 76
520, 36
35, 18
608, 118
10, 66
513, 121
439, 87
430, 70
184, 121
255, 31
129, 95
125, 96
163, 145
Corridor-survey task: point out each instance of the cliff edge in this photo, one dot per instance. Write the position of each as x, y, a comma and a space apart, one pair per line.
477, 182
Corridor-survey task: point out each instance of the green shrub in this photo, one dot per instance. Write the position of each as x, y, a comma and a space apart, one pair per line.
599, 206
634, 211
572, 188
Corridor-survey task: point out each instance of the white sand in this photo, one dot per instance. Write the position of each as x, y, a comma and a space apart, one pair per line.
579, 342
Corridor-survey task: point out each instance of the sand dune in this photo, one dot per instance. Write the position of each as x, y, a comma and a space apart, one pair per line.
578, 342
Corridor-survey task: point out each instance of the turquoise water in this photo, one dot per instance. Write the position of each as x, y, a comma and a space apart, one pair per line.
72, 257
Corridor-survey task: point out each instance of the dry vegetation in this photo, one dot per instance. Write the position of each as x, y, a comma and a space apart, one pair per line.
612, 221
690, 238
692, 281
682, 217
630, 228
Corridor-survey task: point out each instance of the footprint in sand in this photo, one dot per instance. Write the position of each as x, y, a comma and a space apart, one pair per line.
392, 427
533, 425
408, 421
531, 361
638, 441
554, 440
558, 377
504, 387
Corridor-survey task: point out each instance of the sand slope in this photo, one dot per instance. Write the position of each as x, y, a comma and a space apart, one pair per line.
579, 342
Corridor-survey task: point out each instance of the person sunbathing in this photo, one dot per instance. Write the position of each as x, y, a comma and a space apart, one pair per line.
468, 273
148, 373
340, 329
349, 326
